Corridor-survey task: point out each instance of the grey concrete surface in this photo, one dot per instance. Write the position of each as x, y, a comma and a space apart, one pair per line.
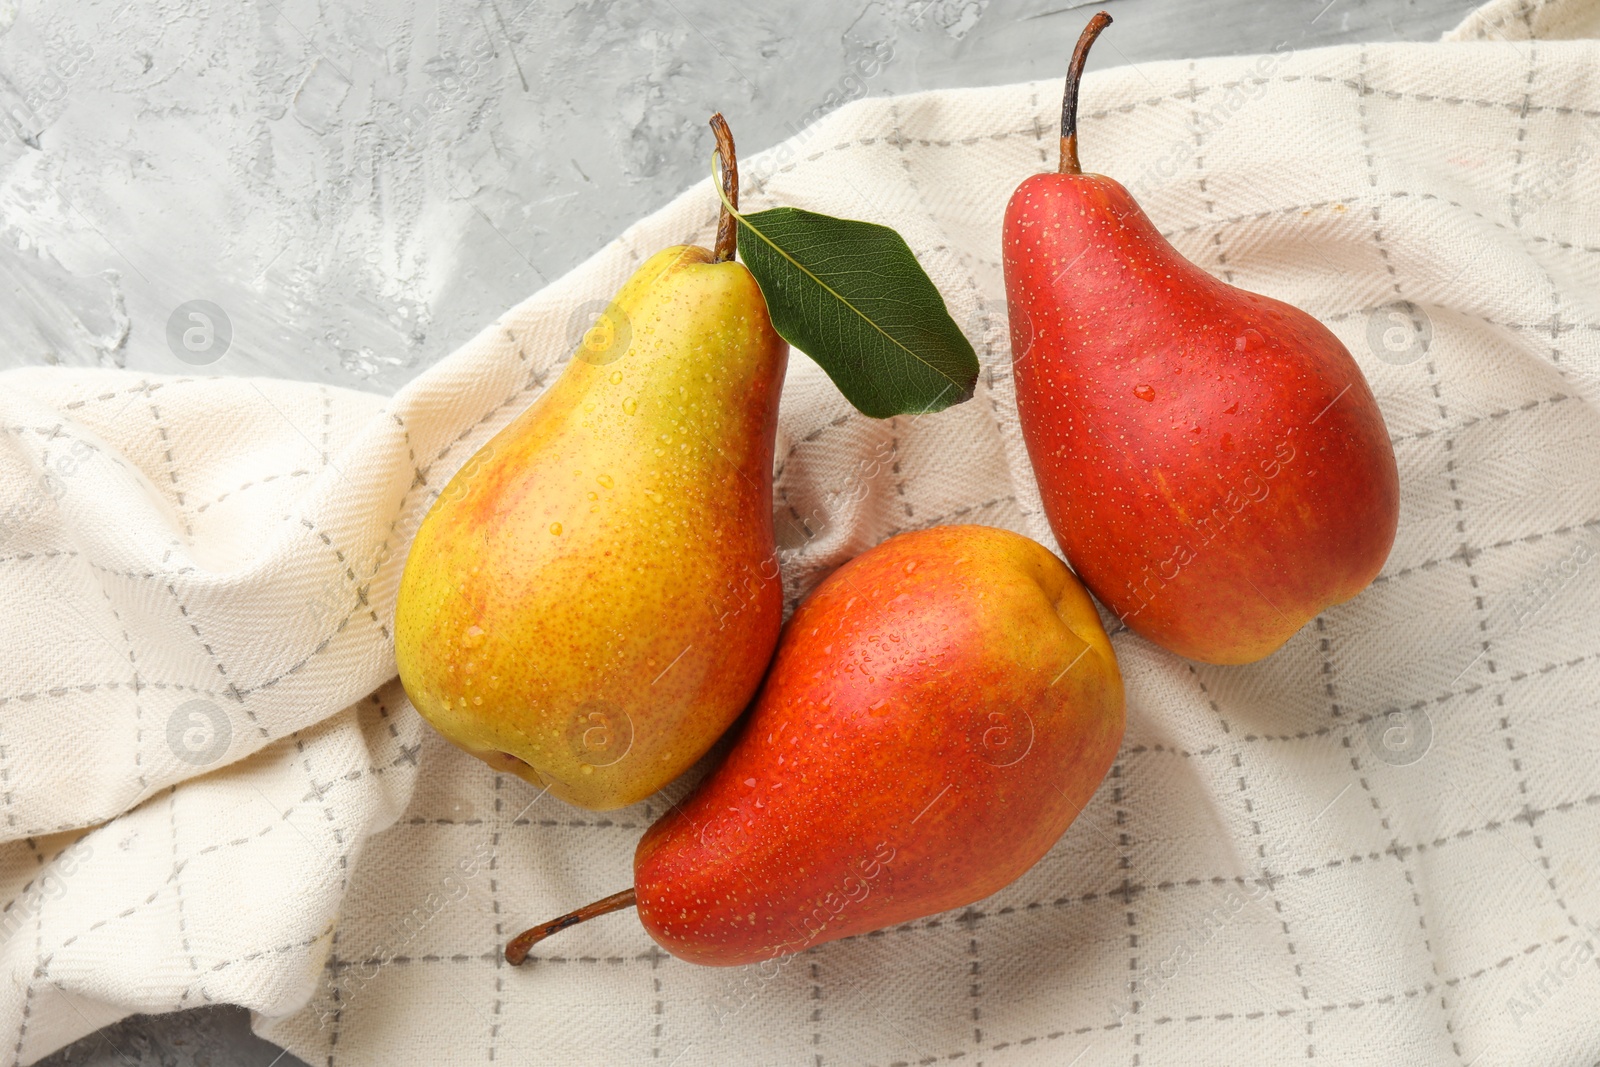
205, 1037
361, 185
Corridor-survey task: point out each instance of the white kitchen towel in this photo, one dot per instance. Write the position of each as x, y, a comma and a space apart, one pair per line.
1380, 845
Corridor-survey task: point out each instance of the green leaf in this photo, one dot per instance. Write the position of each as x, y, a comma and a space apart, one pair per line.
851, 296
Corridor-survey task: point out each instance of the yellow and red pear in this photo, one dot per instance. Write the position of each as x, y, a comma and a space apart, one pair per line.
594, 596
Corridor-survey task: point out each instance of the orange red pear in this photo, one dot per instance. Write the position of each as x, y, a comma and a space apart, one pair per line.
1211, 460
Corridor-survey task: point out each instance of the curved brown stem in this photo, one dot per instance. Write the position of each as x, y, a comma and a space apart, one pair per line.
727, 225
517, 948
1069, 99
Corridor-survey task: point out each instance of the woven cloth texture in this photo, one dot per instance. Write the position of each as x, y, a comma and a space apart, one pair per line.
1380, 845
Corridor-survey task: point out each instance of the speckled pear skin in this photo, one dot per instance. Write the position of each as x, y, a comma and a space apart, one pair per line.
1211, 461
594, 597
939, 711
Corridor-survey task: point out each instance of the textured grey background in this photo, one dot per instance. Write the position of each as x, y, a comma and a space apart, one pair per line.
361, 185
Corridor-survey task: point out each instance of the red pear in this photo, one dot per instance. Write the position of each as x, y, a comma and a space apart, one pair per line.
1211, 460
939, 711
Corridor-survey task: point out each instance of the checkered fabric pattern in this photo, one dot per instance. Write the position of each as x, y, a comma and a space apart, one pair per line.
1380, 845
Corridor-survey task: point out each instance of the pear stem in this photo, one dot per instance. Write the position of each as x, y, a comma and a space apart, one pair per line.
517, 948
1069, 99
727, 226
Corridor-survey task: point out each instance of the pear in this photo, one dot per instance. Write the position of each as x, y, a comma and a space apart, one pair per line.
594, 597
1211, 460
940, 709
